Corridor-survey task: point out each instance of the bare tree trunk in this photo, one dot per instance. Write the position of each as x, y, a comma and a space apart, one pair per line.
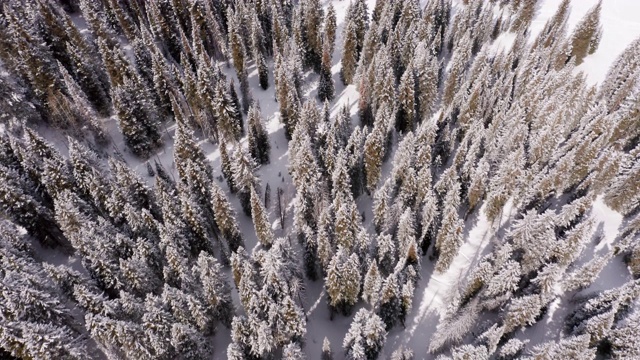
281, 207
267, 197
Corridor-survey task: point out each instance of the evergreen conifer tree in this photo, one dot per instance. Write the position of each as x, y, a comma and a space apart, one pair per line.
406, 113
449, 237
258, 139
326, 90
225, 167
260, 220
312, 19
374, 149
216, 292
137, 121
225, 218
587, 34
365, 337
244, 178
372, 285
330, 28
349, 53
343, 281
327, 354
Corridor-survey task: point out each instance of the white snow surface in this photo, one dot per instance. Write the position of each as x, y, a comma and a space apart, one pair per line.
621, 25
620, 20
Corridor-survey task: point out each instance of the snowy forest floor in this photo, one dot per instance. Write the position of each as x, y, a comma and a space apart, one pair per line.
621, 26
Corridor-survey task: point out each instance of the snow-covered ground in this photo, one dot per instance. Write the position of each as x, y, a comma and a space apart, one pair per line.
620, 22
621, 25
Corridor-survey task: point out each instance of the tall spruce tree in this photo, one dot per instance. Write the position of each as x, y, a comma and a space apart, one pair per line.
326, 89
349, 52
365, 337
343, 281
587, 34
136, 118
261, 222
258, 139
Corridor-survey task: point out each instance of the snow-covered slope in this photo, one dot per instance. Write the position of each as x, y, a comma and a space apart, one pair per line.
620, 22
434, 292
621, 25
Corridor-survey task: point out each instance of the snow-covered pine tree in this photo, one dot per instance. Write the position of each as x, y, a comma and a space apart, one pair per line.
325, 249
186, 148
406, 298
189, 342
622, 337
36, 323
258, 43
459, 62
326, 89
554, 27
258, 139
372, 285
346, 222
164, 26
30, 58
225, 166
502, 283
534, 235
90, 75
306, 176
82, 110
586, 36
330, 28
236, 42
216, 292
449, 237
386, 253
402, 353
365, 337
335, 138
390, 301
327, 354
374, 149
310, 252
225, 218
584, 276
227, 112
260, 220
523, 16
136, 119
523, 311
130, 189
470, 352
197, 212
406, 113
139, 277
244, 178
311, 33
620, 79
293, 352
287, 96
247, 98
343, 281
569, 347
381, 205
349, 52
623, 191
